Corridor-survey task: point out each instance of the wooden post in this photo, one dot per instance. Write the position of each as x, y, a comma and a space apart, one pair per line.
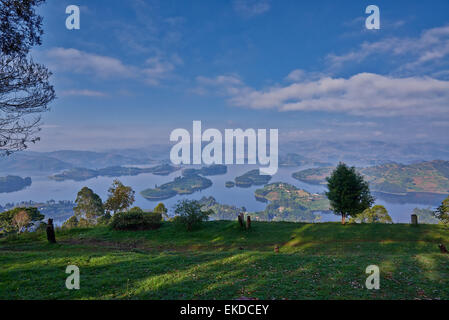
241, 220
414, 219
51, 232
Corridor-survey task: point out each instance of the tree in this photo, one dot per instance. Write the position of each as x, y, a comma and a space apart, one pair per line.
120, 197
25, 91
160, 208
376, 214
7, 218
20, 27
88, 205
189, 213
348, 193
442, 213
21, 220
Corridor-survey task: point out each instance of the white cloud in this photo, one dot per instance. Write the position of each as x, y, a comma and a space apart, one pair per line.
158, 68
363, 94
295, 75
83, 93
155, 68
251, 8
430, 49
77, 61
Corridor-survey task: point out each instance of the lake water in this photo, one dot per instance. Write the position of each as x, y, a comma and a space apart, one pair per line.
43, 189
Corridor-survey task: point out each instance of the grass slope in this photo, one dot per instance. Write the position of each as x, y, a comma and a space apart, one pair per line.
221, 261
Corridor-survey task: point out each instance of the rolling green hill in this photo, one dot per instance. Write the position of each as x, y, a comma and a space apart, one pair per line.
431, 177
288, 203
222, 261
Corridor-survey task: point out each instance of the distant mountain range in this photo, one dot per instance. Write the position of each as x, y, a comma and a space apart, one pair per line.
291, 154
366, 153
51, 162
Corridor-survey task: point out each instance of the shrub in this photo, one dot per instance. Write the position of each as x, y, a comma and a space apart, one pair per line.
104, 219
189, 214
136, 219
376, 214
72, 222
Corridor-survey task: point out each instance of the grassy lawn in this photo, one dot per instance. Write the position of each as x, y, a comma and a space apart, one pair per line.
221, 261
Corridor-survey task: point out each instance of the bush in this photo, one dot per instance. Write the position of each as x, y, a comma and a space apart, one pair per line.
105, 219
189, 214
136, 219
72, 222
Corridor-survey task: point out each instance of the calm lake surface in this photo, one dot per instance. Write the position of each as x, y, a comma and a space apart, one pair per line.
43, 189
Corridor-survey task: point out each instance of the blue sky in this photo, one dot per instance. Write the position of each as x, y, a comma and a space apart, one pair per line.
138, 69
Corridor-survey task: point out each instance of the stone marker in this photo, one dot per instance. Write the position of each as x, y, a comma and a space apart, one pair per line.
414, 219
51, 232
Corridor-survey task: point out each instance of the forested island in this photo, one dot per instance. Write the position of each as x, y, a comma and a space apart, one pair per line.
393, 178
251, 178
288, 203
81, 174
212, 170
13, 183
180, 186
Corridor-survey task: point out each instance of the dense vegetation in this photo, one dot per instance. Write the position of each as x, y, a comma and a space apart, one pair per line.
13, 183
432, 176
222, 261
136, 219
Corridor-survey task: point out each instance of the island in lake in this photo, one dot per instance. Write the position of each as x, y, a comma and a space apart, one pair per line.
229, 184
13, 183
288, 203
81, 174
251, 178
393, 178
212, 170
180, 186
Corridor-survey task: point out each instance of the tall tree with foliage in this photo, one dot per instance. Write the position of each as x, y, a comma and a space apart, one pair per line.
349, 193
120, 197
88, 206
442, 213
25, 91
21, 220
160, 208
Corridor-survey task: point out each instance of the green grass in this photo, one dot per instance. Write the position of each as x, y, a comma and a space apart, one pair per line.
221, 261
